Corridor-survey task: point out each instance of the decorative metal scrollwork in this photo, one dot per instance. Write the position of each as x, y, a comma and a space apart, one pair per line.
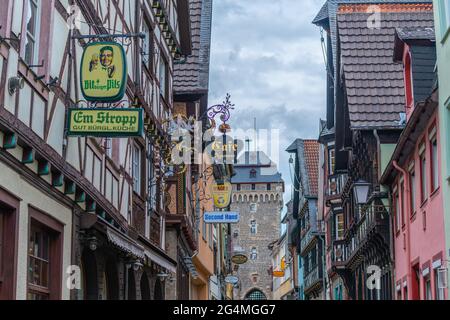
125, 39
224, 110
123, 104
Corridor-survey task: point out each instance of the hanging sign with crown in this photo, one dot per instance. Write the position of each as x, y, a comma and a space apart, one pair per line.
221, 194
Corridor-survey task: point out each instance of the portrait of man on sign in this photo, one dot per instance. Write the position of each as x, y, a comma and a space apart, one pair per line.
106, 60
103, 72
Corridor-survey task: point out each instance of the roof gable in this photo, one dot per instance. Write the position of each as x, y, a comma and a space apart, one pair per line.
192, 75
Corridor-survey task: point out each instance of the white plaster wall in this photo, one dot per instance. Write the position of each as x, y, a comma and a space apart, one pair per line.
10, 101
56, 133
15, 184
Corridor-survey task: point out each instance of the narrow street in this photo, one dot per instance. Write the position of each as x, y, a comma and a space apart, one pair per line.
222, 150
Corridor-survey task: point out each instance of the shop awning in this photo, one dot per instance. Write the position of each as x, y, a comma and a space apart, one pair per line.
125, 243
160, 260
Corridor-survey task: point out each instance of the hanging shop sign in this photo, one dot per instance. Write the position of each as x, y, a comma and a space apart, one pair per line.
221, 194
278, 274
103, 72
232, 280
105, 122
239, 258
221, 217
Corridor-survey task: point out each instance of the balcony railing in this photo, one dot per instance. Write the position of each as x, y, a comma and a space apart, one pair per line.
371, 218
306, 240
313, 277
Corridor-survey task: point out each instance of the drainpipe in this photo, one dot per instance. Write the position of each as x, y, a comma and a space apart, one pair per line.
324, 273
377, 137
408, 224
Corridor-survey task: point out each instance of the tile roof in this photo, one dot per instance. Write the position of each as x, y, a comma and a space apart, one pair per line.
308, 156
311, 149
192, 76
374, 83
331, 18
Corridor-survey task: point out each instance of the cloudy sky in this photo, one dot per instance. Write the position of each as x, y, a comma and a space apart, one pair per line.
268, 56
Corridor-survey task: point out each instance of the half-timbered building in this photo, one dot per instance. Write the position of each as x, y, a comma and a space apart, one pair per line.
191, 239
86, 207
366, 91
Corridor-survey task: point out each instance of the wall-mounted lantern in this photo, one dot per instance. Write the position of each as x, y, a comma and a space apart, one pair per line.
361, 191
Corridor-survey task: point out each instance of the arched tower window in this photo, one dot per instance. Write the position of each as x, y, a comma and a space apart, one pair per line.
253, 227
255, 295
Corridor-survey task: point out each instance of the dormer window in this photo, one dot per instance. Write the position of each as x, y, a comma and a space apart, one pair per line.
253, 174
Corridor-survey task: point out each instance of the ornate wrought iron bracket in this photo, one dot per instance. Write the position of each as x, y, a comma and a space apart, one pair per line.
126, 37
109, 36
224, 110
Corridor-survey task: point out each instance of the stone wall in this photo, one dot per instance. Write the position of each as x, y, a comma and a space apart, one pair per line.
254, 274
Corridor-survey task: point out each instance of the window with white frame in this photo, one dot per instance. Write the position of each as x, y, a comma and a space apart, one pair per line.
428, 294
434, 161
423, 172
339, 226
331, 160
397, 210
253, 207
32, 31
137, 154
412, 181
438, 283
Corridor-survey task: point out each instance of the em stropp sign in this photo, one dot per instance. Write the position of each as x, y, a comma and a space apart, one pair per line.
103, 122
103, 72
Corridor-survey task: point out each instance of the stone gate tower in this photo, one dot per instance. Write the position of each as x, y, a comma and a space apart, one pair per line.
258, 196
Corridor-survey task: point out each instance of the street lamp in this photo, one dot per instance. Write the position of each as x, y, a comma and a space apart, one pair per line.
361, 191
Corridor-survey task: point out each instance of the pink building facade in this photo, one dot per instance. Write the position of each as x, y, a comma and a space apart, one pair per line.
413, 177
